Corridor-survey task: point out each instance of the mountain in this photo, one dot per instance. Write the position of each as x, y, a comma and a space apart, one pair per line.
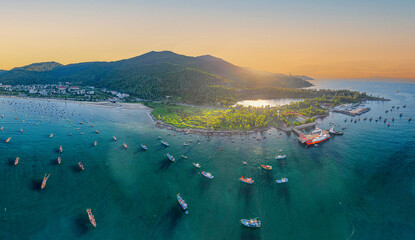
156, 74
39, 67
304, 77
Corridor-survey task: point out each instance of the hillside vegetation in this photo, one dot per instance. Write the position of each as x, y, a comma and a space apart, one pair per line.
155, 75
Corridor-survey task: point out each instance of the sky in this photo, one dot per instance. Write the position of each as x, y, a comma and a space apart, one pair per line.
324, 39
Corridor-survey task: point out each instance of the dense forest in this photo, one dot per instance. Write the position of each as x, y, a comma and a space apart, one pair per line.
155, 75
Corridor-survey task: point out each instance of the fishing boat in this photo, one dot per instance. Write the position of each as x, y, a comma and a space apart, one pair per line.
115, 139
81, 166
386, 111
165, 143
183, 156
1, 128
208, 175
95, 143
8, 140
318, 139
196, 165
60, 149
282, 180
317, 130
59, 160
16, 161
51, 135
220, 149
170, 157
246, 180
388, 124
91, 218
182, 203
45, 179
21, 130
279, 157
400, 115
186, 144
404, 106
97, 131
159, 137
409, 119
144, 147
335, 132
251, 223
125, 145
266, 167
393, 119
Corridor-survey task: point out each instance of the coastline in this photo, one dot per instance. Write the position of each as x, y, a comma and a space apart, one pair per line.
124, 105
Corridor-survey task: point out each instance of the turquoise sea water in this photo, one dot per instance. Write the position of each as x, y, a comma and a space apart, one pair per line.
357, 186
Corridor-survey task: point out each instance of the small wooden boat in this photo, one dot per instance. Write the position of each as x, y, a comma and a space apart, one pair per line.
282, 180
91, 218
170, 157
183, 156
60, 149
266, 167
51, 135
186, 144
144, 147
115, 139
45, 179
251, 223
81, 166
409, 119
95, 143
21, 130
125, 145
8, 140
1, 128
182, 203
196, 165
16, 161
208, 175
59, 160
279, 157
97, 131
246, 180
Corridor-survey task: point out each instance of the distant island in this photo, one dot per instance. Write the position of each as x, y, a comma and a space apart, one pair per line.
184, 92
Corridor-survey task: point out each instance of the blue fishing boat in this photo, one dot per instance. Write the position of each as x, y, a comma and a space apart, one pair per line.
144, 147
182, 203
282, 180
207, 174
280, 157
165, 143
251, 223
170, 157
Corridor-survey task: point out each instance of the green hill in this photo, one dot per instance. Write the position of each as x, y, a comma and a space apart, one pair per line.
154, 75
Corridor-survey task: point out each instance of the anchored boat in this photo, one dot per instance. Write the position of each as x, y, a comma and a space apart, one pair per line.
282, 180
266, 167
246, 180
208, 175
196, 165
164, 143
280, 157
144, 147
16, 161
251, 223
170, 157
81, 166
45, 179
91, 217
182, 203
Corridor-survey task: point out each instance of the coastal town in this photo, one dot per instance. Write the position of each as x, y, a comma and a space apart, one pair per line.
67, 91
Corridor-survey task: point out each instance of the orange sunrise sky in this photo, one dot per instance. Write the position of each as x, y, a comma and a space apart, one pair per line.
320, 39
